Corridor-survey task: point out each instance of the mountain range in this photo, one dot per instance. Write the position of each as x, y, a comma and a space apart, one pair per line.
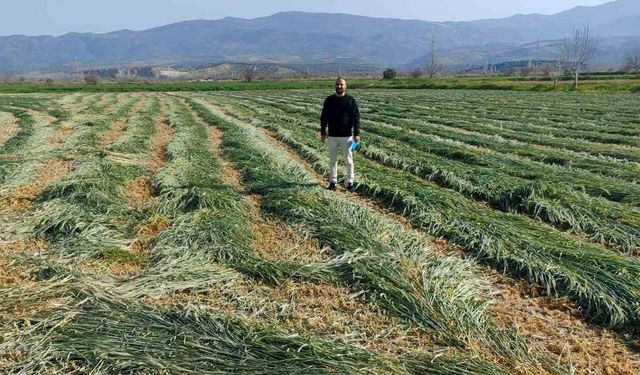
301, 39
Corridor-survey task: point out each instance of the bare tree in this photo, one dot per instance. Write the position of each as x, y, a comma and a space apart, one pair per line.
546, 69
633, 61
416, 73
526, 71
577, 51
556, 73
433, 67
249, 73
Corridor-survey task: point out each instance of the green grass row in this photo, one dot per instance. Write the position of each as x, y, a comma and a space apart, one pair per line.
102, 331
25, 123
470, 83
598, 115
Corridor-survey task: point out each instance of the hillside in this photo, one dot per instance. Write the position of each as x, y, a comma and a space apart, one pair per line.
313, 38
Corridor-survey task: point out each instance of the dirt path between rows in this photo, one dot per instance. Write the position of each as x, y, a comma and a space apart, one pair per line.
140, 191
555, 326
117, 128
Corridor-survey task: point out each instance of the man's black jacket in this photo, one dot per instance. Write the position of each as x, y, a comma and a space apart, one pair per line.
342, 116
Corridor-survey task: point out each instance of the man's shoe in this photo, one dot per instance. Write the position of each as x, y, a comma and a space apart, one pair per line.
332, 186
350, 186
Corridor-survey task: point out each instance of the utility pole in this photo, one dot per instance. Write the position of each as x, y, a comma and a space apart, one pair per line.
433, 52
537, 56
75, 59
433, 66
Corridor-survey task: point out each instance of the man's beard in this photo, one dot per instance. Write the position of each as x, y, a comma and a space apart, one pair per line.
339, 91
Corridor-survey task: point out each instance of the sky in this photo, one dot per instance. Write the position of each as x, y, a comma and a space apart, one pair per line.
56, 17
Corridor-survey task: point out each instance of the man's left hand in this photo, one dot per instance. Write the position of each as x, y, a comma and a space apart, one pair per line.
356, 138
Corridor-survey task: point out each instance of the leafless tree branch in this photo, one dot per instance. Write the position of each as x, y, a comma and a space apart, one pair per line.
633, 61
577, 51
433, 67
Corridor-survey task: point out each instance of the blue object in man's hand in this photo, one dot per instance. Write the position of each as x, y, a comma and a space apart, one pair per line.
355, 145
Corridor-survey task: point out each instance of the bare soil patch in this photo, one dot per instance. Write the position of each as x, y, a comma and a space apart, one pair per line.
147, 230
116, 269
163, 136
277, 241
10, 273
59, 136
139, 191
556, 327
20, 199
8, 127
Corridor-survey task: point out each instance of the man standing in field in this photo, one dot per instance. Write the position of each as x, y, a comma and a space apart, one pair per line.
340, 113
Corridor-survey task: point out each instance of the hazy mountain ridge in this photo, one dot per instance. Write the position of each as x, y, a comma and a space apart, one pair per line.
298, 38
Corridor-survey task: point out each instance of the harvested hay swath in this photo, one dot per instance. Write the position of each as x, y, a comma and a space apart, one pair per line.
440, 295
605, 284
167, 236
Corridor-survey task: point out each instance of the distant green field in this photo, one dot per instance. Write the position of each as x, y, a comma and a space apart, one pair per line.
590, 83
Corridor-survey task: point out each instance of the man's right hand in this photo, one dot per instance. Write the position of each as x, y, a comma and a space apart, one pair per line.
323, 137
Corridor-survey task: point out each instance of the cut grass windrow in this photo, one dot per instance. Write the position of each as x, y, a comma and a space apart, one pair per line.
210, 217
35, 102
559, 204
504, 129
15, 143
425, 123
138, 130
210, 221
601, 220
559, 121
372, 254
86, 211
26, 158
605, 284
465, 148
8, 127
99, 331
598, 164
616, 184
88, 332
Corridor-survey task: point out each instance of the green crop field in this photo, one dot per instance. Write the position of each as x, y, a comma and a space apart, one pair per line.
488, 232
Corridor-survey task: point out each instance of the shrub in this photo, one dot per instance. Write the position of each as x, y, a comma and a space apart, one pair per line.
91, 79
389, 73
